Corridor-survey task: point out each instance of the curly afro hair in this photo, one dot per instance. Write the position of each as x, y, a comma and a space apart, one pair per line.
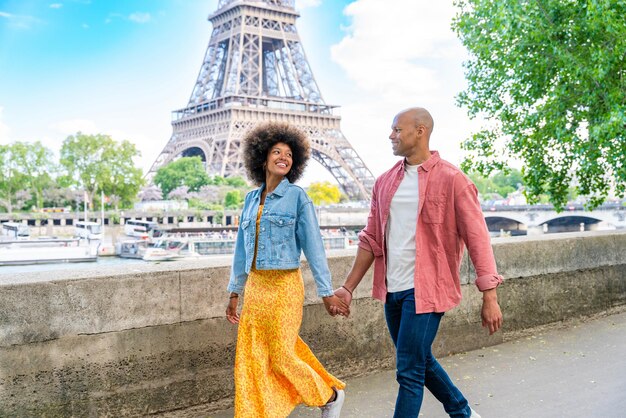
259, 140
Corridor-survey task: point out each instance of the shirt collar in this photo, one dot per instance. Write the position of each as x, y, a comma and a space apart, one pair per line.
429, 163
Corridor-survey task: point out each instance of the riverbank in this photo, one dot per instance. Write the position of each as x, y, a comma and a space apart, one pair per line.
146, 339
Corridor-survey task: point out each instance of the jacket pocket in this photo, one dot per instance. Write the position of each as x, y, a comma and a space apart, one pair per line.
246, 230
434, 209
282, 228
283, 249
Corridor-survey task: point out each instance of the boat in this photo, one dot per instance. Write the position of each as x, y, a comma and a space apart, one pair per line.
140, 249
193, 245
48, 250
189, 246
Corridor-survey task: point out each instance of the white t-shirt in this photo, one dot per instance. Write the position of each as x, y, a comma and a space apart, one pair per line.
401, 227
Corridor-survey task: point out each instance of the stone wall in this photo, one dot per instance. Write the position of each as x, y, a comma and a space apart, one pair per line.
139, 340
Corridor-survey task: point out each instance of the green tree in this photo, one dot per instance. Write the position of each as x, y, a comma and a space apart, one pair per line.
233, 199
237, 182
503, 182
549, 78
186, 171
35, 162
122, 179
98, 163
324, 193
217, 181
12, 180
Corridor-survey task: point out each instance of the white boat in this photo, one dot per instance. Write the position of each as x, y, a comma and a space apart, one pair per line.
43, 251
139, 249
88, 230
184, 245
203, 245
193, 246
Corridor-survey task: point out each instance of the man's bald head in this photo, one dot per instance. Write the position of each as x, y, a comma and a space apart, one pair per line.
420, 116
410, 135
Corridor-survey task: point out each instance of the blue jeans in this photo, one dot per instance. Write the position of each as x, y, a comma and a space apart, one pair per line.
413, 335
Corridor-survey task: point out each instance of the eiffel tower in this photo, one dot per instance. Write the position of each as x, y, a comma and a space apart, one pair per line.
255, 70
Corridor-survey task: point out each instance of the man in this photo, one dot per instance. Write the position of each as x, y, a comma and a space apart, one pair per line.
422, 213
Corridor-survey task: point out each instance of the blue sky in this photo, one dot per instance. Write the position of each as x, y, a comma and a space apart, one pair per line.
121, 66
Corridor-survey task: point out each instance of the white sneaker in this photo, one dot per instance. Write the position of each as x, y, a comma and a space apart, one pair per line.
474, 414
333, 409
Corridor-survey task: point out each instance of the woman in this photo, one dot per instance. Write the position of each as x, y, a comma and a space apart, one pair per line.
274, 369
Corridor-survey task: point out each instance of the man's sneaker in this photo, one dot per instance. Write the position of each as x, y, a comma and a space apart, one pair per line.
474, 414
333, 409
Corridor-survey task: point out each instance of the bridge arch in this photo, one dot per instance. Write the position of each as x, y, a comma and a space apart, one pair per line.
501, 223
571, 223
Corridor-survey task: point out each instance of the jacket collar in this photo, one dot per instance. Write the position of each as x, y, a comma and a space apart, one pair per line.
280, 190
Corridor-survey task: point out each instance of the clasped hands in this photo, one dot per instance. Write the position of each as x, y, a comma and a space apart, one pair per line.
339, 303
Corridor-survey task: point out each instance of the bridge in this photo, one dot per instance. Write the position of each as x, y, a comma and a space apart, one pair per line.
537, 219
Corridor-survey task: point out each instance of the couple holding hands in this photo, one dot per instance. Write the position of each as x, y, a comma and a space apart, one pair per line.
423, 211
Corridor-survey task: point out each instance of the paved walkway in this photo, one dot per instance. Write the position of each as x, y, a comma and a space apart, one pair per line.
570, 372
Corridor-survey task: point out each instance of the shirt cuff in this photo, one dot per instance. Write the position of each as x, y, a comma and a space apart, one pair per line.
368, 244
324, 293
489, 281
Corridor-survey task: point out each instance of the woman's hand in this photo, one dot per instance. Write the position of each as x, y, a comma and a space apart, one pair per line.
335, 306
231, 310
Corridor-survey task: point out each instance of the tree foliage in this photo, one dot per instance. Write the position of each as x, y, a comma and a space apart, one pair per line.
502, 183
26, 168
97, 164
36, 164
233, 199
122, 180
11, 180
549, 76
324, 193
186, 171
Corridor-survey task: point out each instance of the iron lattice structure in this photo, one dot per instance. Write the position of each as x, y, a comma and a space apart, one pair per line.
255, 70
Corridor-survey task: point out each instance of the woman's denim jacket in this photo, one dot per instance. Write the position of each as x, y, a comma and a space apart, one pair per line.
288, 227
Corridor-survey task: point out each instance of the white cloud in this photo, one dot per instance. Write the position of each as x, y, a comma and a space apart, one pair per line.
393, 48
400, 54
56, 5
6, 15
71, 126
139, 17
84, 26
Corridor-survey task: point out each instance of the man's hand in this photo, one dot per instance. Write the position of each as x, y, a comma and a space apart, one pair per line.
335, 306
343, 294
490, 313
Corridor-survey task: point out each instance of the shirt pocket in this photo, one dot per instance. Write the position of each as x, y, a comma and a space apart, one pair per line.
434, 209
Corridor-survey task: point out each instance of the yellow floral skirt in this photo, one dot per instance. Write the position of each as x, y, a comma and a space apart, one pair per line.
274, 369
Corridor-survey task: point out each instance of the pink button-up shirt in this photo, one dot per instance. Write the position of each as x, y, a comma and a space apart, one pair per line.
449, 216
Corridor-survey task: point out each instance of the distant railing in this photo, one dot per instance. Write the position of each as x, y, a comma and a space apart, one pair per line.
486, 207
279, 3
253, 101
